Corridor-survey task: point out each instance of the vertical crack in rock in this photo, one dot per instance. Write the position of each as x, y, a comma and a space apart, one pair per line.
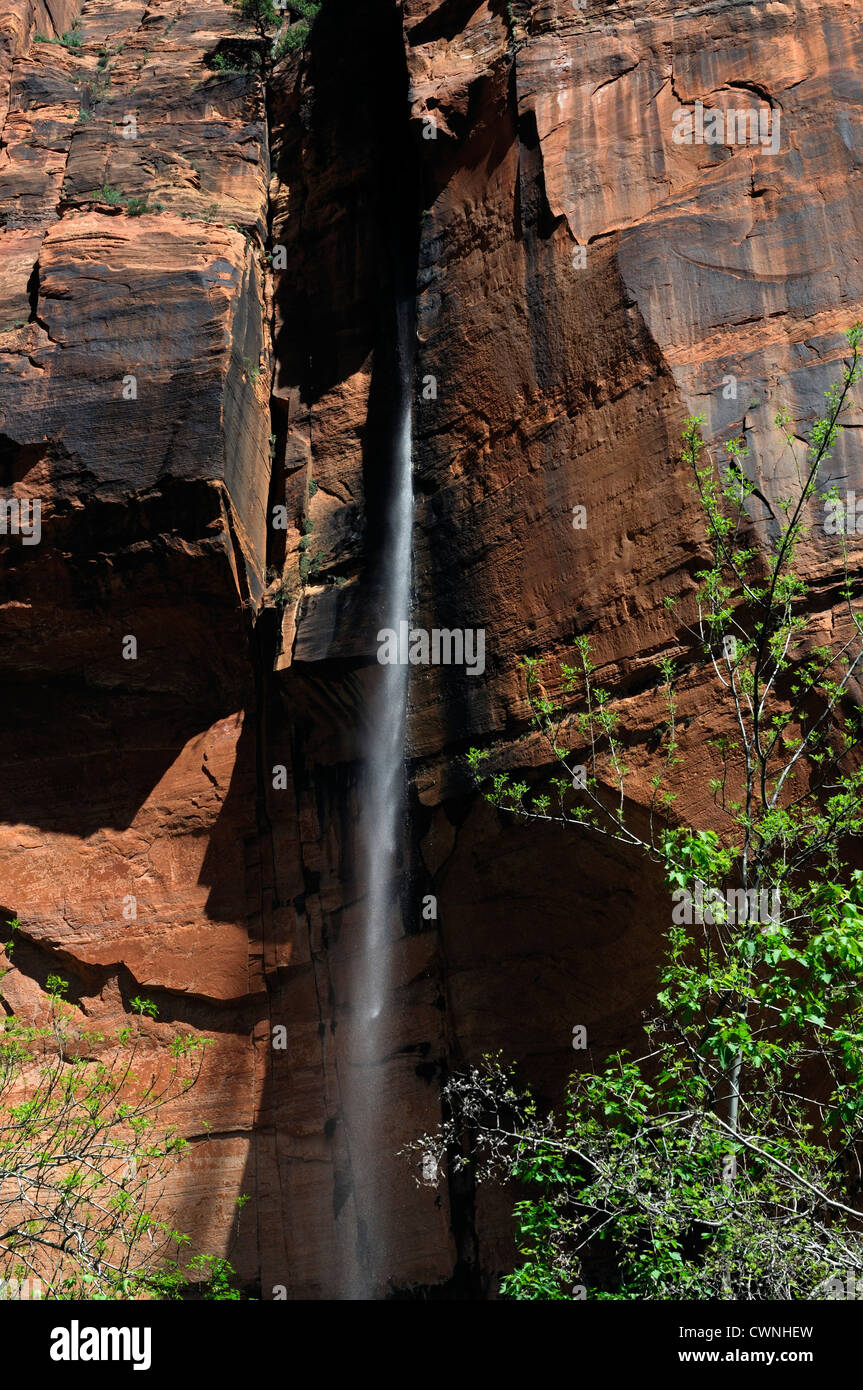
341, 141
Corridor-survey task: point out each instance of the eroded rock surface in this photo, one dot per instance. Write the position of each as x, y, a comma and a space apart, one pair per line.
581, 283
134, 405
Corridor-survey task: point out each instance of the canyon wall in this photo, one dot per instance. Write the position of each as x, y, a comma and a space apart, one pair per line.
197, 373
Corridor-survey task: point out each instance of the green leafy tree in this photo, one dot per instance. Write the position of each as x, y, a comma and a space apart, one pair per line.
280, 27
83, 1157
726, 1160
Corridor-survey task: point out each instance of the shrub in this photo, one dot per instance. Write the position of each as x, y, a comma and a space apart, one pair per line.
267, 21
283, 595
82, 1155
105, 194
223, 63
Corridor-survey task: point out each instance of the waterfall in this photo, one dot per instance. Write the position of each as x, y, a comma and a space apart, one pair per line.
371, 1028
383, 784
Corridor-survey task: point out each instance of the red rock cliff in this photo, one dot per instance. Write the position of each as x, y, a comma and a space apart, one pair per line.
168, 377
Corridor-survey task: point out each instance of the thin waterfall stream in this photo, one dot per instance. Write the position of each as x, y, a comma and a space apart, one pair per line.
381, 820
383, 788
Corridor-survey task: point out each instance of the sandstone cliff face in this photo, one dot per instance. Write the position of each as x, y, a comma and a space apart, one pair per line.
581, 282
134, 404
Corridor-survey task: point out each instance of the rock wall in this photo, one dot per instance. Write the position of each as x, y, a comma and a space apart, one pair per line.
582, 282
134, 363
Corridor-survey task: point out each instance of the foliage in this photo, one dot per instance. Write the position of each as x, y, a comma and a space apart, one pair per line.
96, 88
283, 593
639, 1190
83, 1159
725, 1161
106, 194
280, 29
222, 62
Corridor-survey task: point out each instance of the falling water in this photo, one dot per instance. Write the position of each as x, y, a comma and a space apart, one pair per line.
371, 1027
383, 793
